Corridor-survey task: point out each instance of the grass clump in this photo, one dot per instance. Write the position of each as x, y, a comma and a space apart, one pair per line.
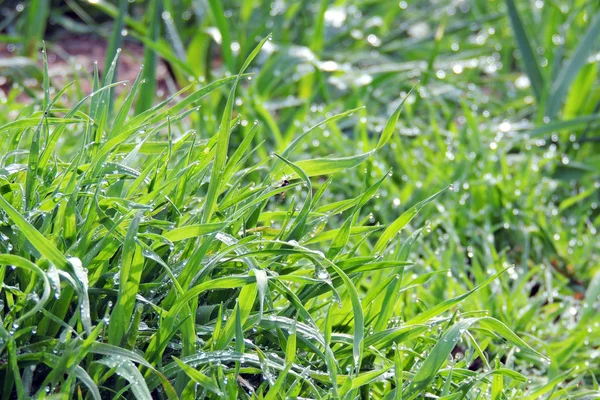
142, 259
399, 205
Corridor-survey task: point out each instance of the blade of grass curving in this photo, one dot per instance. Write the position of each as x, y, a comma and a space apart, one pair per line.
199, 377
25, 123
41, 244
294, 143
123, 354
81, 278
325, 236
327, 166
127, 370
390, 125
87, 380
13, 260
368, 377
501, 329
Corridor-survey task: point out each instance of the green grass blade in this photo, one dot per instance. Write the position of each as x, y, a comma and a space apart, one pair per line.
148, 89
328, 166
530, 62
245, 304
41, 244
131, 269
223, 141
296, 231
401, 222
501, 329
127, 370
359, 322
343, 234
46, 82
126, 106
571, 69
192, 231
116, 38
199, 377
559, 126
437, 357
218, 14
9, 259
390, 125
446, 305
37, 18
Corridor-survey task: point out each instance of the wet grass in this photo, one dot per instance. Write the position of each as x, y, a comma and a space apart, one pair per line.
359, 200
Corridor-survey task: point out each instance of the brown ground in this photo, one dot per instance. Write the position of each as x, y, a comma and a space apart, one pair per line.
72, 54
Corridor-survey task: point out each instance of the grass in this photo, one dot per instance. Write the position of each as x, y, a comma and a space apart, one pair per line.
372, 202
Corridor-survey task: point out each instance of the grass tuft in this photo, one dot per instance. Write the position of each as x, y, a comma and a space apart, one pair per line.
374, 201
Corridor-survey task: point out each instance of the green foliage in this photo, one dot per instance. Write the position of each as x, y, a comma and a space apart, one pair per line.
373, 202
